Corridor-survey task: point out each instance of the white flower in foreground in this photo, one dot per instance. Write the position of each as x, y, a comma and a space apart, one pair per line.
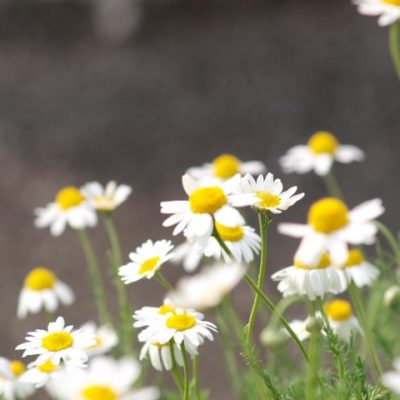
388, 10
208, 288
146, 260
106, 198
58, 342
331, 227
268, 193
319, 154
225, 167
341, 319
188, 253
391, 379
11, 385
106, 338
69, 208
196, 215
310, 280
103, 379
42, 290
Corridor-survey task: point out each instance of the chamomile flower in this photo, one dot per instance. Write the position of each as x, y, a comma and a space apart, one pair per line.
58, 342
108, 198
106, 338
310, 280
189, 253
70, 207
331, 227
103, 379
11, 385
268, 193
388, 10
208, 288
299, 327
391, 379
225, 167
319, 154
205, 202
146, 260
341, 319
147, 315
42, 290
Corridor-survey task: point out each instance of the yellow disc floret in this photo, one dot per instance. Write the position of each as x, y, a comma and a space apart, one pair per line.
355, 257
327, 215
338, 310
99, 392
230, 233
69, 197
181, 322
392, 2
268, 200
48, 367
40, 279
17, 368
165, 309
207, 200
324, 262
225, 166
323, 142
149, 265
57, 341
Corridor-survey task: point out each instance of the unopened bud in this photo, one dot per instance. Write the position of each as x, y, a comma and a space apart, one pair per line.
314, 324
391, 298
273, 339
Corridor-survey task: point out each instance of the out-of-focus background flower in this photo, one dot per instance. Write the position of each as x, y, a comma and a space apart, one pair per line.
137, 91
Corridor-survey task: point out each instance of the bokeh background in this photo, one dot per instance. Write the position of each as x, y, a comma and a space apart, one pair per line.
139, 91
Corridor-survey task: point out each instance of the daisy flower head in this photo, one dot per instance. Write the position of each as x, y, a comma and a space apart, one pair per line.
70, 207
206, 201
146, 260
108, 198
299, 327
225, 167
319, 154
312, 281
11, 385
58, 342
42, 290
189, 254
147, 315
268, 193
106, 338
388, 10
391, 379
331, 227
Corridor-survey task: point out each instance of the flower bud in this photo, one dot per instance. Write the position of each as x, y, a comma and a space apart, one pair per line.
314, 324
391, 298
273, 339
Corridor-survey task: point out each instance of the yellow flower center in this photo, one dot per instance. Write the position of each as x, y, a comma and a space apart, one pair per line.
228, 233
99, 343
159, 345
355, 257
40, 279
338, 310
324, 262
392, 2
48, 367
327, 215
57, 341
225, 166
99, 392
165, 309
268, 200
207, 200
104, 203
181, 322
323, 142
17, 368
149, 265
69, 197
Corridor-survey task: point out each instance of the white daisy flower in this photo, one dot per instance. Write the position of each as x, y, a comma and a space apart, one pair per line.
69, 208
268, 193
42, 290
225, 167
105, 379
310, 280
11, 385
58, 342
106, 338
106, 198
341, 319
388, 10
146, 260
391, 379
319, 154
147, 315
196, 215
189, 254
331, 227
208, 288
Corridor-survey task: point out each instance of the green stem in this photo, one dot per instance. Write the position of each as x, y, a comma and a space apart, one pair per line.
186, 386
313, 364
175, 370
196, 381
394, 44
124, 307
163, 281
95, 278
332, 185
385, 231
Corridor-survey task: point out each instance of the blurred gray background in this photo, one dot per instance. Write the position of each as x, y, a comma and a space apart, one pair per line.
139, 91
